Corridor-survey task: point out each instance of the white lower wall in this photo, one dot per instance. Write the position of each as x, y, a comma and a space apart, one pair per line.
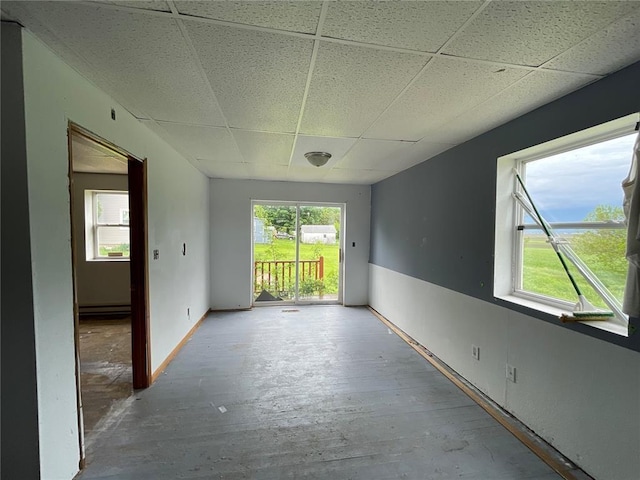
231, 224
580, 394
178, 211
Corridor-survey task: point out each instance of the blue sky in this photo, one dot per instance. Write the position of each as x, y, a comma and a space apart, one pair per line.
567, 186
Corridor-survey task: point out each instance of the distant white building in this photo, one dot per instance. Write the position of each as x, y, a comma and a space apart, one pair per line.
318, 234
261, 234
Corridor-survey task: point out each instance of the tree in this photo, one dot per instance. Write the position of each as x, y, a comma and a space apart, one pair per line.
283, 218
260, 212
310, 215
605, 248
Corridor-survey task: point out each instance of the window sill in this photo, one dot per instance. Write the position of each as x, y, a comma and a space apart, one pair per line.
612, 325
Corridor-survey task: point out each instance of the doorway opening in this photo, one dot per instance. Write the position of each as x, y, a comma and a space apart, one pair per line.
109, 264
297, 252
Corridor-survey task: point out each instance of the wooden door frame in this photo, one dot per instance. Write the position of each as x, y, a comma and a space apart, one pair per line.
139, 271
138, 267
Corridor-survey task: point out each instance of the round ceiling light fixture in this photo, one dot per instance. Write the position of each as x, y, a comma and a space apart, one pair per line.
317, 159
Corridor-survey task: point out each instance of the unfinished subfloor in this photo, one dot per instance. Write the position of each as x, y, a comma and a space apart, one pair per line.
322, 392
105, 366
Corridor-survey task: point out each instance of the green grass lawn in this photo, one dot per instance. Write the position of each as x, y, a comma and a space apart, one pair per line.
283, 249
543, 274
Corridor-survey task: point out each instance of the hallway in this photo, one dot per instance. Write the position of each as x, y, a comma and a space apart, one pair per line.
304, 392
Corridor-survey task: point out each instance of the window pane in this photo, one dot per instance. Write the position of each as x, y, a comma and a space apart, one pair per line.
601, 250
580, 185
568, 187
112, 208
113, 241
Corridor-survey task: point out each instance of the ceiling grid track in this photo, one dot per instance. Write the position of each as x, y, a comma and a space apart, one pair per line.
540, 68
464, 26
91, 66
196, 59
312, 65
424, 69
211, 21
581, 42
515, 66
439, 54
461, 117
416, 77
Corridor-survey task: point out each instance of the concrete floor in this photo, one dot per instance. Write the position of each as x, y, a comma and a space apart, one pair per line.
317, 392
105, 367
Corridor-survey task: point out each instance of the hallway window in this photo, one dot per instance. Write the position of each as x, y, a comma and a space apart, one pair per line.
107, 225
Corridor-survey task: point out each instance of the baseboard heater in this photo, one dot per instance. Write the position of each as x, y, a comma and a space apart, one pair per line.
104, 309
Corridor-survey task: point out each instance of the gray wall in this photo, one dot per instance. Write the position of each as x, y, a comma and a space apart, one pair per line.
20, 450
435, 221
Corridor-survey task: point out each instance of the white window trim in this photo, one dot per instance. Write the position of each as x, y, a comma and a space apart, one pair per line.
91, 226
507, 258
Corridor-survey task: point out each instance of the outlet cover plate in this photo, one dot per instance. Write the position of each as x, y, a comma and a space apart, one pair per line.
475, 352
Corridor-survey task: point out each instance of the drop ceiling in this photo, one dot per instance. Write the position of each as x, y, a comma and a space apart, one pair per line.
244, 89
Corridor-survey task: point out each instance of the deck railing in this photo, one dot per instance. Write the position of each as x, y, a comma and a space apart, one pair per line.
278, 277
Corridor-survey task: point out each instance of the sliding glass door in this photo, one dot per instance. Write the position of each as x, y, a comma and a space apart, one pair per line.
297, 253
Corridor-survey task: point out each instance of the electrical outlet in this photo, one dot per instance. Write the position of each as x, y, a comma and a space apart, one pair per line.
475, 352
511, 373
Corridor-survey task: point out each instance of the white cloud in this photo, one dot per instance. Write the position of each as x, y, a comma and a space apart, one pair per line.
581, 178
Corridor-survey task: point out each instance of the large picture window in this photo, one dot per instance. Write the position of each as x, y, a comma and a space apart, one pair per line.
107, 225
575, 185
578, 192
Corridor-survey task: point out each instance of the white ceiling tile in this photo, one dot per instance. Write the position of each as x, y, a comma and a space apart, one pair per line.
142, 60
423, 150
266, 149
203, 143
216, 169
306, 174
157, 5
356, 176
293, 16
445, 90
423, 26
351, 86
376, 155
337, 147
389, 156
259, 78
533, 91
609, 50
260, 171
532, 32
